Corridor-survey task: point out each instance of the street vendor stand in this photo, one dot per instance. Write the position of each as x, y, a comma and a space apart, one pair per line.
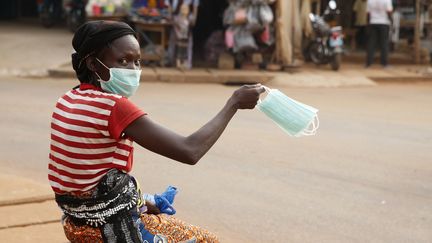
163, 29
419, 5
107, 10
147, 18
143, 16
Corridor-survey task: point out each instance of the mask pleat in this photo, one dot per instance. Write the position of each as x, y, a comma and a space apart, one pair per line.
292, 116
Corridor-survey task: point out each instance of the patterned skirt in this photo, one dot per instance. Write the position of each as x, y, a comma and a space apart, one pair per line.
131, 225
169, 227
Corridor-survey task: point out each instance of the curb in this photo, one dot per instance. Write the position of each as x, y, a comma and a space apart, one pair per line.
30, 224
28, 200
60, 73
401, 79
172, 75
239, 77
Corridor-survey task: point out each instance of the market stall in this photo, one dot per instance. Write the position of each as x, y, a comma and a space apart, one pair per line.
148, 17
422, 31
152, 52
411, 30
256, 34
151, 20
116, 10
247, 34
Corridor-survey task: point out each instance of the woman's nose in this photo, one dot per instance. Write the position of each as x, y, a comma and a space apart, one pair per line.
134, 66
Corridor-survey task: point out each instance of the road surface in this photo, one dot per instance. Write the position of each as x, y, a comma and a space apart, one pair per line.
365, 177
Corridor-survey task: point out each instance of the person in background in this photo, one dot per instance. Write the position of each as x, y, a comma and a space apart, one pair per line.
379, 21
174, 7
182, 29
395, 29
360, 10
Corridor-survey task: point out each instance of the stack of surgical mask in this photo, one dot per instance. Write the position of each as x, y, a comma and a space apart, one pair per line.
295, 118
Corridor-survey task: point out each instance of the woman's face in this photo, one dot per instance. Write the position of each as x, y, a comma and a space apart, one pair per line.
123, 52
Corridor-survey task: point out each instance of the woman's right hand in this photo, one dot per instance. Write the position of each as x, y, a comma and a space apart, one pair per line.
247, 96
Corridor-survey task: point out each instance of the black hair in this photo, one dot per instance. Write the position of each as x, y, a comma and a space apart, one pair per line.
83, 73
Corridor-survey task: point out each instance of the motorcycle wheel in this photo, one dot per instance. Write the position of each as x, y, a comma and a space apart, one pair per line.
336, 62
306, 52
316, 53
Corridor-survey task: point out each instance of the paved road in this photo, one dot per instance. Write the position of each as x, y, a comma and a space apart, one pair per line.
28, 49
366, 176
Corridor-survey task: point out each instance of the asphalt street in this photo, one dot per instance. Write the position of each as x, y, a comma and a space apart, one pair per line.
365, 177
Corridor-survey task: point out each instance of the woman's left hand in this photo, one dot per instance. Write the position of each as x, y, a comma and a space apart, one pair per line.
151, 208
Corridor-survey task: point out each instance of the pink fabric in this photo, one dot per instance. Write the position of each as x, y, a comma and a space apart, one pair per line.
229, 39
265, 35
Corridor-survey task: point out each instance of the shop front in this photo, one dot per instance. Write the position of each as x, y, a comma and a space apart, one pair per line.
12, 9
234, 34
216, 34
411, 30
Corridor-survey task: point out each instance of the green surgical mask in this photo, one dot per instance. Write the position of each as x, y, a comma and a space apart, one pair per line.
295, 118
122, 81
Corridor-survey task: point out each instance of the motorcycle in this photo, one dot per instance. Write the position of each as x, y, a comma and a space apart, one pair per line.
326, 47
75, 13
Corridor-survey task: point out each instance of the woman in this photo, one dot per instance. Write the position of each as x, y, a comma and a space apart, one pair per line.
93, 128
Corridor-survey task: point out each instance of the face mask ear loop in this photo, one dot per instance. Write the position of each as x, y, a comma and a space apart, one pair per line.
102, 63
314, 129
99, 77
317, 122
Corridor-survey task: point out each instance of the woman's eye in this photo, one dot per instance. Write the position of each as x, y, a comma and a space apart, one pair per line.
123, 62
138, 62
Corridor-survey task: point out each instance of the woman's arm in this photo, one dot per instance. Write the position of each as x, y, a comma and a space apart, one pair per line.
192, 148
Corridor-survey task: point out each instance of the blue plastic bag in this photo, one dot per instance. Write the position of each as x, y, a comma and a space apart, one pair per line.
165, 200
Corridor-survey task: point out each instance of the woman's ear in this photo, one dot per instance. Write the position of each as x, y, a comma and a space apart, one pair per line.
91, 63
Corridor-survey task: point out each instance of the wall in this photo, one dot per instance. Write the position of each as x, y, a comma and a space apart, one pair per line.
10, 9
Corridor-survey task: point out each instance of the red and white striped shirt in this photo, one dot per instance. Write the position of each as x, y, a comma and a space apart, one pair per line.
86, 138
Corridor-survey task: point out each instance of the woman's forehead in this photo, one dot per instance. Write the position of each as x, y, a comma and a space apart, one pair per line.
127, 44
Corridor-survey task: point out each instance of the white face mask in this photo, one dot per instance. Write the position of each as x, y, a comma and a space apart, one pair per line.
122, 81
295, 118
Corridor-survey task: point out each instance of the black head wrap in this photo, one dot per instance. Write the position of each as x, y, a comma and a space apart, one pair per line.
91, 37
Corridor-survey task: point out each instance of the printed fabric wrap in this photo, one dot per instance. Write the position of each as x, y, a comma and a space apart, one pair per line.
109, 208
